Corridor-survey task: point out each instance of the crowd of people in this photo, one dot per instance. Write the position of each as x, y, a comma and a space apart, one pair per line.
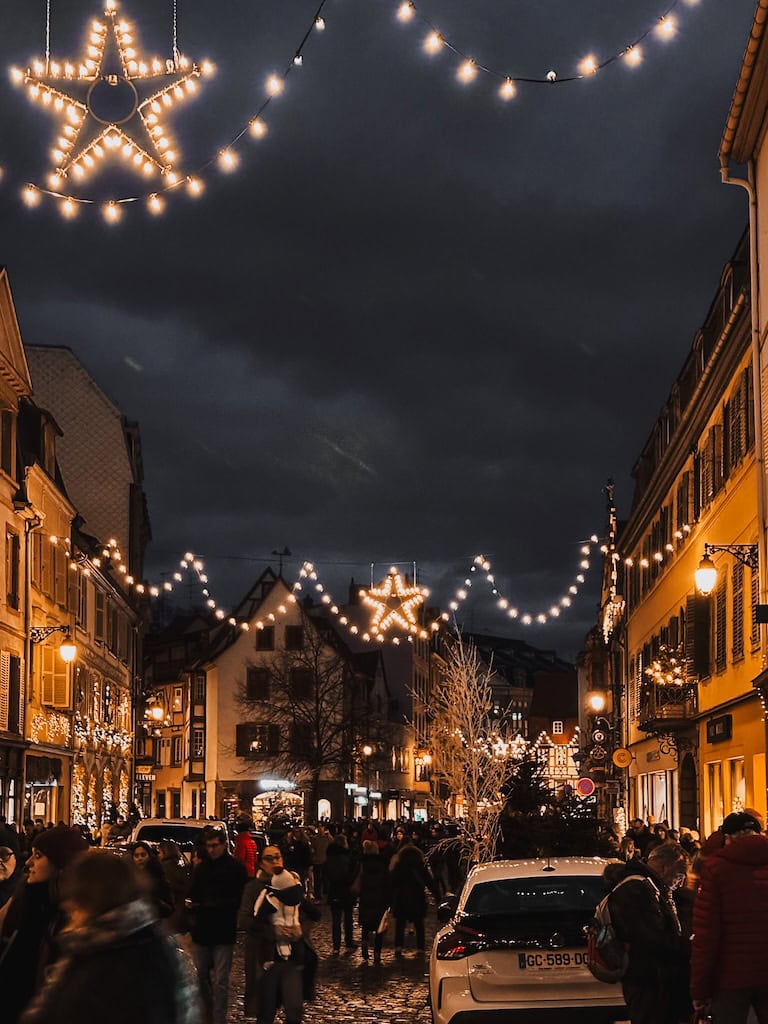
80, 925
693, 917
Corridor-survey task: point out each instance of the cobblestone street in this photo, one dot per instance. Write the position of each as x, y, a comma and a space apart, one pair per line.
349, 991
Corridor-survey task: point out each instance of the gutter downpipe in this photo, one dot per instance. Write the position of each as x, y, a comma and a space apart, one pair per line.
748, 184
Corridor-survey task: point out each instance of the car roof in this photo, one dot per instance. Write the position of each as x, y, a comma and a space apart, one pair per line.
497, 869
191, 822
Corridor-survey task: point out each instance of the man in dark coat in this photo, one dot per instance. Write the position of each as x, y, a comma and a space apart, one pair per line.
730, 926
341, 870
214, 896
644, 916
374, 898
409, 880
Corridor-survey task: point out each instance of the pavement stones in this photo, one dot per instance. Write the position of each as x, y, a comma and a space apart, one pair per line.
351, 992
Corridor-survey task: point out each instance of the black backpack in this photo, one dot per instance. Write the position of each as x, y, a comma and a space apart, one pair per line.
607, 955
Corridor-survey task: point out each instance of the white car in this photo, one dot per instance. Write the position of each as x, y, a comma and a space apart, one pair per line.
185, 832
516, 942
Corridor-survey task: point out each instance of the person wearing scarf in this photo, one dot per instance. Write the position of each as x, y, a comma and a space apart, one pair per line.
115, 962
277, 952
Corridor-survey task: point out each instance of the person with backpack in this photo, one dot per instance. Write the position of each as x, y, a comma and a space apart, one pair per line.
643, 919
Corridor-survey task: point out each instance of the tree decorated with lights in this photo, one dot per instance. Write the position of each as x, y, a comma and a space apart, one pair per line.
471, 758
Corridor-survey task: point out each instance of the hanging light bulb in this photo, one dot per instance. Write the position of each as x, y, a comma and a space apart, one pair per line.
275, 85
433, 43
633, 56
69, 209
195, 187
31, 196
406, 11
588, 66
320, 23
508, 90
156, 204
467, 71
667, 27
111, 212
258, 128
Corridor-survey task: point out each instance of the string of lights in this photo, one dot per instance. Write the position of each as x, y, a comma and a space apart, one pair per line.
115, 140
664, 28
395, 603
156, 158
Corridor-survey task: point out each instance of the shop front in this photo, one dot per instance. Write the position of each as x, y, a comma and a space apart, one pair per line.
11, 776
46, 788
732, 757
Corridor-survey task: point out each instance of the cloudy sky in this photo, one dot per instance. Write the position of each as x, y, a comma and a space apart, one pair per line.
418, 323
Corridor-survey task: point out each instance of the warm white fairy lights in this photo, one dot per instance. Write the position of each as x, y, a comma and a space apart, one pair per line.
664, 28
138, 136
153, 155
394, 604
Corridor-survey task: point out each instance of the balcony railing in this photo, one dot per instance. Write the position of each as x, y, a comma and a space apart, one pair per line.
665, 708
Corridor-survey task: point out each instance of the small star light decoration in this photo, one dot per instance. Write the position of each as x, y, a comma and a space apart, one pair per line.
105, 113
394, 604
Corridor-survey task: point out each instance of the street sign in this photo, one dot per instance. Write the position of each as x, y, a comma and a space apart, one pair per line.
585, 787
622, 758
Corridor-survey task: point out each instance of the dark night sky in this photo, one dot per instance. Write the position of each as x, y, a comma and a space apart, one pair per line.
417, 323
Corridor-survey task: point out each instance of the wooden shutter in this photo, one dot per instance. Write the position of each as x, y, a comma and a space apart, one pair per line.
15, 695
737, 603
726, 440
749, 410
696, 486
754, 636
716, 455
720, 627
5, 687
60, 575
101, 609
697, 616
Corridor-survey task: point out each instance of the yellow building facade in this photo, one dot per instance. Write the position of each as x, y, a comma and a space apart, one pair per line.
691, 716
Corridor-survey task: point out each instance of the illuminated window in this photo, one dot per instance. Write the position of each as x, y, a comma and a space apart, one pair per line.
557, 729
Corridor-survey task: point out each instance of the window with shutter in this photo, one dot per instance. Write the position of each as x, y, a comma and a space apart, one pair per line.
99, 629
737, 614
683, 489
255, 739
15, 695
696, 639
726, 440
5, 687
12, 568
716, 455
82, 601
749, 410
754, 635
720, 627
54, 677
46, 568
60, 564
737, 425
257, 683
696, 487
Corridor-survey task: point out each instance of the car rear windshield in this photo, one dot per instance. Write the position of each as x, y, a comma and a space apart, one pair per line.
186, 836
534, 896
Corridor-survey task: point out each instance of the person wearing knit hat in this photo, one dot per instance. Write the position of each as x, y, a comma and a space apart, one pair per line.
34, 919
60, 845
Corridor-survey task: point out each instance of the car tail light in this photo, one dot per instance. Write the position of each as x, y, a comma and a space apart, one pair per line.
460, 942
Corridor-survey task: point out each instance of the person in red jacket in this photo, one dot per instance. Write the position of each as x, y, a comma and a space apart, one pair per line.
246, 850
730, 927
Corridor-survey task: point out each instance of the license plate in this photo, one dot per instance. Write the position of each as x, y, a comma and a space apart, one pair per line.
550, 961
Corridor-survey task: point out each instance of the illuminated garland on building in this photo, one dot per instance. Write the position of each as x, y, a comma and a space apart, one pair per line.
56, 727
468, 70
151, 159
91, 733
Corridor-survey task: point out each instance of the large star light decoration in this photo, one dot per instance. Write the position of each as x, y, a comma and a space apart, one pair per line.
101, 108
394, 604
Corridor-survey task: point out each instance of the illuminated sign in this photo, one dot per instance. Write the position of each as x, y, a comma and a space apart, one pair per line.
272, 784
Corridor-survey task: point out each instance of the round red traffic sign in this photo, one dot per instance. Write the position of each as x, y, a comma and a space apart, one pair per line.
585, 787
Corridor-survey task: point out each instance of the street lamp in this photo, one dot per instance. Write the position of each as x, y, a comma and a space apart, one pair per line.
706, 574
596, 702
67, 648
